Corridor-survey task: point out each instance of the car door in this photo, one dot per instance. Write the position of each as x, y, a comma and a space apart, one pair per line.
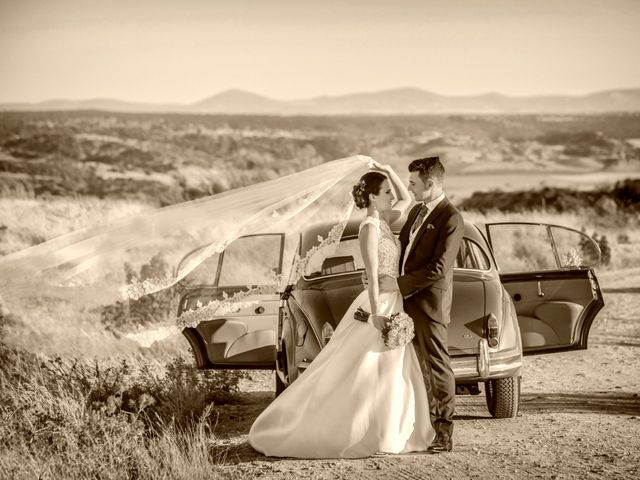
243, 336
548, 272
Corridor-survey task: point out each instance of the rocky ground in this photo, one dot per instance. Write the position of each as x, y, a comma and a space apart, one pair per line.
579, 417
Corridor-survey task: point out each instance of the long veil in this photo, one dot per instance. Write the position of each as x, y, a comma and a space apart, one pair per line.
75, 278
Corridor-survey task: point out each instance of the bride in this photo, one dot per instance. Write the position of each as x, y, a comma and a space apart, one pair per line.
357, 397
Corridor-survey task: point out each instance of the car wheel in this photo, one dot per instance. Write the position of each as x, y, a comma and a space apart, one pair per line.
503, 396
280, 386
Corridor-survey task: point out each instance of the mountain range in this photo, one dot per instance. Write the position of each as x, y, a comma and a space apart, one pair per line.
401, 101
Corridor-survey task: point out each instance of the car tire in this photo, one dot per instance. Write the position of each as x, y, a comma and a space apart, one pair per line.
280, 385
503, 396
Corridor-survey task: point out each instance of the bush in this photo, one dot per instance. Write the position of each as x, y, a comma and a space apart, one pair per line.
146, 310
605, 249
583, 140
623, 239
625, 197
76, 419
627, 193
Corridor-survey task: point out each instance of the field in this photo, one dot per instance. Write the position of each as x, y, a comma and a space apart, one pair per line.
169, 158
79, 400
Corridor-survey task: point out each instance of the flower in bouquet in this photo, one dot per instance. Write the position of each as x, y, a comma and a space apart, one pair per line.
398, 330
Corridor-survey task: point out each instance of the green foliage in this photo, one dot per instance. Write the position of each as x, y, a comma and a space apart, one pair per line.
146, 310
603, 244
579, 139
41, 143
625, 196
605, 249
623, 239
627, 193
76, 419
142, 156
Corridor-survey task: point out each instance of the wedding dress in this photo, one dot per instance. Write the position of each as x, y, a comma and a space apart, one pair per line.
357, 397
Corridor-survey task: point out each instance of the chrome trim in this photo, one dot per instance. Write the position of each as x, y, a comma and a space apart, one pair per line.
468, 366
483, 358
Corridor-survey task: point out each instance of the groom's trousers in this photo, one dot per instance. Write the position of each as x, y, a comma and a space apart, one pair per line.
430, 343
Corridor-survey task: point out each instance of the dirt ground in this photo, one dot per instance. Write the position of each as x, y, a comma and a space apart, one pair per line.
579, 417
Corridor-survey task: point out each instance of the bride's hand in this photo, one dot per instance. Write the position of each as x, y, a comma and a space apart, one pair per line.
375, 165
379, 321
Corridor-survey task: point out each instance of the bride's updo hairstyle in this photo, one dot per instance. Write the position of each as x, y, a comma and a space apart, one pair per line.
369, 183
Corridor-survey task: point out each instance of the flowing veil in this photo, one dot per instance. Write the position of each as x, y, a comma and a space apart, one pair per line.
79, 274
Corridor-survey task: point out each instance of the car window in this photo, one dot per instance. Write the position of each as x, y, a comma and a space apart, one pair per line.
204, 274
522, 248
575, 249
471, 256
342, 257
252, 260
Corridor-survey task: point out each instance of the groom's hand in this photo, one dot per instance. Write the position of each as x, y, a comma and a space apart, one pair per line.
388, 283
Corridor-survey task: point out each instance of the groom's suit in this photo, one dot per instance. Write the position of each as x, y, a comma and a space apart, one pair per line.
427, 286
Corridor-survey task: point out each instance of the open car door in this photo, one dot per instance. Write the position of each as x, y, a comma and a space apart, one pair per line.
245, 336
548, 272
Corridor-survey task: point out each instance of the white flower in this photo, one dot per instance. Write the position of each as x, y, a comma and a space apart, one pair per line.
398, 331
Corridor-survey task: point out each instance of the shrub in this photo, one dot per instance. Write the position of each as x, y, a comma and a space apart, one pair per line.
149, 309
605, 249
627, 193
623, 239
63, 418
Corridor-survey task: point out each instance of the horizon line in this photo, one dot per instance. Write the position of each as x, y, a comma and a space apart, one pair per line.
320, 96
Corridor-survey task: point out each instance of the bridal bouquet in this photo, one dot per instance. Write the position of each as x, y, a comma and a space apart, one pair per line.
398, 329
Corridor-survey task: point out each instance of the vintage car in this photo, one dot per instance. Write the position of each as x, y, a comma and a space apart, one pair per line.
519, 289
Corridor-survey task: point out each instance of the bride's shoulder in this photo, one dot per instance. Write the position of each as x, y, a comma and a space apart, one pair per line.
372, 221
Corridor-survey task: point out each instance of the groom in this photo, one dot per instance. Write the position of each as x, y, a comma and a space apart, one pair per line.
430, 240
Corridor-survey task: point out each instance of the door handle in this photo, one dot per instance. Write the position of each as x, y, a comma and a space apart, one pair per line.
540, 292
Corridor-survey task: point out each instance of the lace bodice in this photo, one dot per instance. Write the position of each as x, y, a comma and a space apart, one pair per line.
388, 247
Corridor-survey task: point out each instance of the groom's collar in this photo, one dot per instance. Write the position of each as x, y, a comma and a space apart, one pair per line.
434, 203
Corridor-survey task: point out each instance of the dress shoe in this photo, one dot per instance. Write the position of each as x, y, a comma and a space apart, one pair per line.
440, 445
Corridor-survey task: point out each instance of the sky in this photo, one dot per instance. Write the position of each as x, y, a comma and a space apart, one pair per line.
162, 51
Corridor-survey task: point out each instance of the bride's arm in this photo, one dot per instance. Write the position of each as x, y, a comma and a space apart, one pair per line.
403, 197
368, 239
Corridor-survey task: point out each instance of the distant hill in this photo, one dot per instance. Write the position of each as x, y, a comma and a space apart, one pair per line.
402, 101
239, 101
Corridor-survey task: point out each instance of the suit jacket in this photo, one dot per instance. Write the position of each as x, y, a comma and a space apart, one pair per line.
428, 279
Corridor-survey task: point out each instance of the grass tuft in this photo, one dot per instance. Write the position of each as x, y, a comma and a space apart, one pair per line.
71, 418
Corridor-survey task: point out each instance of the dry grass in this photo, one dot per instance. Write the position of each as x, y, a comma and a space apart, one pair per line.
26, 221
80, 419
64, 418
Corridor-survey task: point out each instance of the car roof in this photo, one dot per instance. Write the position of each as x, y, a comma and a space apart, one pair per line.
310, 235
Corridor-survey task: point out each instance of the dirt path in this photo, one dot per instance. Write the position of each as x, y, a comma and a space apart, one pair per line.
579, 418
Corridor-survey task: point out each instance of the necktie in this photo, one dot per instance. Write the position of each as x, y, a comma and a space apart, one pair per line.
418, 221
